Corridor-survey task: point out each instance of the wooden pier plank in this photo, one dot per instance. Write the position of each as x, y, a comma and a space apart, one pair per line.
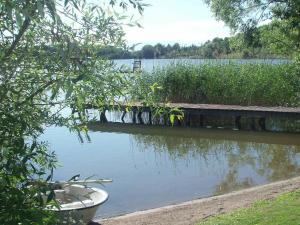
278, 109
257, 114
219, 110
189, 106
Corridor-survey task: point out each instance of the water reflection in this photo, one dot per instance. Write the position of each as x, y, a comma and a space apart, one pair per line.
272, 161
232, 183
273, 156
155, 166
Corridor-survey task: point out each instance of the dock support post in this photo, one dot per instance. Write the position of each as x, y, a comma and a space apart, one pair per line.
139, 116
262, 123
201, 120
134, 115
103, 118
123, 116
166, 118
187, 119
253, 127
237, 122
150, 117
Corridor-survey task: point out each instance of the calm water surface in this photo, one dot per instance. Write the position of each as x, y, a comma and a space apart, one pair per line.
156, 166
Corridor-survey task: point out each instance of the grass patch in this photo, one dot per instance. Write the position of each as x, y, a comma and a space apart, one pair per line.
284, 210
239, 84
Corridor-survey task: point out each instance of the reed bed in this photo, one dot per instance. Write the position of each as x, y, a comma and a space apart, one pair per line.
238, 84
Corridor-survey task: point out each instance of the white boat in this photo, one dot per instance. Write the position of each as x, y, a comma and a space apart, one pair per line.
78, 201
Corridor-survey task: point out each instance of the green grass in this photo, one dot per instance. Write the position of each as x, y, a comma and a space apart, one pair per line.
284, 210
239, 84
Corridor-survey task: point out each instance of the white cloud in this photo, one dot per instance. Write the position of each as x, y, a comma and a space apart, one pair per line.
182, 32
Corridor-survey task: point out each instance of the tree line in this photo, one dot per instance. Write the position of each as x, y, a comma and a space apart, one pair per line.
262, 42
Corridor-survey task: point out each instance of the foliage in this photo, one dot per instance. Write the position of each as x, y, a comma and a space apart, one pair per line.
241, 84
48, 66
245, 16
148, 52
279, 37
282, 210
111, 52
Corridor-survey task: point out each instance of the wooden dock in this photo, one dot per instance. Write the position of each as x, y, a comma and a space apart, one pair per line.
258, 114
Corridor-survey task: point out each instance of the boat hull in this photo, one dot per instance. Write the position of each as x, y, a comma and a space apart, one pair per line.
79, 203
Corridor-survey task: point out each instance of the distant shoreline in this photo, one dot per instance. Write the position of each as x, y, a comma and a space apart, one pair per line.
258, 58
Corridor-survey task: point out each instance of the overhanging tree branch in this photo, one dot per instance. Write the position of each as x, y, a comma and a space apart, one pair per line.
16, 41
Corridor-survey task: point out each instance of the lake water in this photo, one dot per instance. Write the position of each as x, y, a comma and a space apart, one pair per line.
154, 166
151, 64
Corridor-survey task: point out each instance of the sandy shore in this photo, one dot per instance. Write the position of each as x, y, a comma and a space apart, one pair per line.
189, 213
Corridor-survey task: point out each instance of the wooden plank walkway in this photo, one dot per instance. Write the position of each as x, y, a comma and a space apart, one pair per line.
236, 108
190, 106
201, 111
226, 110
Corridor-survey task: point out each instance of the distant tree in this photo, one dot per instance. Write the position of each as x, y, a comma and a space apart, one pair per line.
264, 41
137, 54
168, 48
112, 52
226, 46
246, 15
206, 50
159, 50
176, 47
148, 52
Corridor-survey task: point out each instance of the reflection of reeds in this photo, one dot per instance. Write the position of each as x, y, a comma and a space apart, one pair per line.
232, 182
272, 161
241, 84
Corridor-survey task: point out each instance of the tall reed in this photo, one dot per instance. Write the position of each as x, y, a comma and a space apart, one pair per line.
240, 84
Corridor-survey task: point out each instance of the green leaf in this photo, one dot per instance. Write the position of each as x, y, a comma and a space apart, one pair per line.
172, 119
40, 6
9, 12
54, 92
51, 196
138, 24
49, 178
66, 2
74, 178
51, 7
75, 5
19, 18
69, 91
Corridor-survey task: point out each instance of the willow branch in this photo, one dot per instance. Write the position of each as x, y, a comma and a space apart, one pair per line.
38, 91
16, 41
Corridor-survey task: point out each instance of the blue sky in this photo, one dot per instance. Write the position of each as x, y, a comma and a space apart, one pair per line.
183, 21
